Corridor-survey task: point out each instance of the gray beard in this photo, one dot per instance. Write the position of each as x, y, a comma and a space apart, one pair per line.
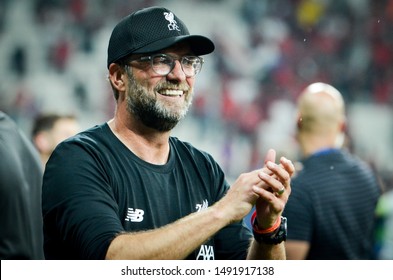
149, 111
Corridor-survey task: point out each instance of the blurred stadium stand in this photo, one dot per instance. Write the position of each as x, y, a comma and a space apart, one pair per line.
53, 58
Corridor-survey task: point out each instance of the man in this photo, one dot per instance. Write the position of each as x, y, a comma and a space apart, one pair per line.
126, 189
332, 206
49, 130
384, 240
21, 234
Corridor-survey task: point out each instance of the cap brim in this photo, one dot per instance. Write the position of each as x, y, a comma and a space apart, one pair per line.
200, 45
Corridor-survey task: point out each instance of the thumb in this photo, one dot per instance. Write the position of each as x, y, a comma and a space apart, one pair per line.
270, 156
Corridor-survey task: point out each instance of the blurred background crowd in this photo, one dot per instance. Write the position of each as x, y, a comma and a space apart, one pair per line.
53, 59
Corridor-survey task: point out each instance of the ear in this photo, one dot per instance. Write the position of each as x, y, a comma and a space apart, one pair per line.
343, 126
116, 75
299, 122
41, 142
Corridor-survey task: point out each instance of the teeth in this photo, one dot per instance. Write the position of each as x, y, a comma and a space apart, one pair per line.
172, 92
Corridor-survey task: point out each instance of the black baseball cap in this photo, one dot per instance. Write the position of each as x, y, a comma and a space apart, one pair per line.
150, 30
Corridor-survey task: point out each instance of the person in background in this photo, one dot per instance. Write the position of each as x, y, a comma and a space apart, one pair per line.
384, 242
127, 189
21, 235
49, 130
331, 212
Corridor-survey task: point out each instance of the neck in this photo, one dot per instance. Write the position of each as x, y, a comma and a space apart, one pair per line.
148, 144
312, 144
44, 159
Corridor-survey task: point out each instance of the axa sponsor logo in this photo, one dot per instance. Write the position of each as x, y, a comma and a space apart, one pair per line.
206, 252
134, 215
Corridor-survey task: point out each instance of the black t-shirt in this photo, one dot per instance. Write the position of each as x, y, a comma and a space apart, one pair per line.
95, 187
332, 206
21, 234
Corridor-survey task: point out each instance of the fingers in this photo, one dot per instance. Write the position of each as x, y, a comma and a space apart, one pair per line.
267, 189
276, 177
270, 186
273, 189
288, 165
273, 185
270, 156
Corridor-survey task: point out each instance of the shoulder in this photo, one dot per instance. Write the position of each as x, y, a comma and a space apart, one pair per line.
196, 158
9, 129
358, 166
17, 155
97, 137
87, 149
183, 147
14, 144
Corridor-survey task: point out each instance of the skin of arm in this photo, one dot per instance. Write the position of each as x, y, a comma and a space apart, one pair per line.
297, 250
174, 241
259, 251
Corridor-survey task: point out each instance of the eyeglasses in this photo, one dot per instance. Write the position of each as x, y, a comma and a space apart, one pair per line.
163, 64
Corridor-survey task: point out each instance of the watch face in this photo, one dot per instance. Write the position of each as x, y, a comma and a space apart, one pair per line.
282, 232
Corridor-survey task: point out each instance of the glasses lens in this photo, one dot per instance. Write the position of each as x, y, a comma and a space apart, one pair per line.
191, 65
162, 64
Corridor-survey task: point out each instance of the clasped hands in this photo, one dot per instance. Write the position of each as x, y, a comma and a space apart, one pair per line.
267, 188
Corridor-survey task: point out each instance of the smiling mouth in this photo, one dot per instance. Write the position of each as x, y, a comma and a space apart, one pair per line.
171, 92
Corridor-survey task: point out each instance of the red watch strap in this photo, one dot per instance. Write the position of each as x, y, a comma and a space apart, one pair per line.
264, 231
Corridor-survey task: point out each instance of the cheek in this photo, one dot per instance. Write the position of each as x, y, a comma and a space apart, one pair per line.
149, 83
190, 82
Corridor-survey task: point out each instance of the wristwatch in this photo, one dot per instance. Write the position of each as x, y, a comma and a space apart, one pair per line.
275, 237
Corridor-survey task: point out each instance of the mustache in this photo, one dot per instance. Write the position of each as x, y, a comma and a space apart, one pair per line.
171, 86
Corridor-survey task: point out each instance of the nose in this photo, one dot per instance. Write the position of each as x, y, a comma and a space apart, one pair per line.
177, 72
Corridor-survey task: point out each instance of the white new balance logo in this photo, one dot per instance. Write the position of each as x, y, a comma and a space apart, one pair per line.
135, 215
